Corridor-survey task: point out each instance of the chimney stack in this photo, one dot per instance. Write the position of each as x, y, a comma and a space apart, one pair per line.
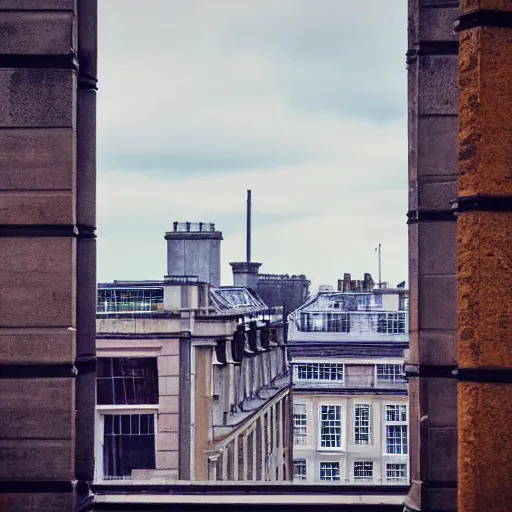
245, 274
193, 250
368, 283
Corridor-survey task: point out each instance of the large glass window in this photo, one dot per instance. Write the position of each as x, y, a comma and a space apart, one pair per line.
362, 424
324, 322
127, 380
330, 426
129, 443
329, 471
299, 469
129, 300
363, 471
390, 373
319, 371
391, 323
396, 429
300, 424
396, 473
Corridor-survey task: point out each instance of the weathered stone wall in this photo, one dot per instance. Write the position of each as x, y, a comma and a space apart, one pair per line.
484, 256
47, 268
289, 292
433, 108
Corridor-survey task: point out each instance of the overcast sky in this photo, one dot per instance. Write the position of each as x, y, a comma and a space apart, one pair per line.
302, 101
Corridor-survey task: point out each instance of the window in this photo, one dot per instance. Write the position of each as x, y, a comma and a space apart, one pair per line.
319, 371
396, 472
127, 381
299, 469
329, 471
300, 422
362, 424
363, 471
184, 291
325, 322
391, 323
202, 298
396, 429
396, 413
129, 300
390, 373
129, 443
330, 426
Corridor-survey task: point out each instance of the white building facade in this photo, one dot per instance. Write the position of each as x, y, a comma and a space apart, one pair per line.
350, 404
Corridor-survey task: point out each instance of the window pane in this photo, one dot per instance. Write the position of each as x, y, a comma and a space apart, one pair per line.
135, 423
125, 424
116, 300
396, 439
330, 426
362, 424
396, 413
390, 373
127, 381
396, 472
320, 371
123, 452
108, 425
299, 424
329, 471
299, 469
363, 470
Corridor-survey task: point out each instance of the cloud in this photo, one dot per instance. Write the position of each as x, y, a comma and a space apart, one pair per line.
302, 101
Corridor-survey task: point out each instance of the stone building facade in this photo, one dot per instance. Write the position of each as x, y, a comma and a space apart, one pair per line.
350, 407
47, 243
208, 373
433, 117
203, 368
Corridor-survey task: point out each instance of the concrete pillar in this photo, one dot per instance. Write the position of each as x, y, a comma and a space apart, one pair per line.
224, 462
484, 255
47, 268
245, 460
235, 458
271, 444
254, 452
278, 444
213, 462
288, 436
260, 447
433, 108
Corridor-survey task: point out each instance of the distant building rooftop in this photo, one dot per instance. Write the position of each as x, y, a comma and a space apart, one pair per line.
350, 316
294, 277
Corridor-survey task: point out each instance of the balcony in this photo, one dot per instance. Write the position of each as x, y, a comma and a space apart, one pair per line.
130, 300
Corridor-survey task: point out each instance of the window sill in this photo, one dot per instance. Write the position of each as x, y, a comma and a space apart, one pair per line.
138, 407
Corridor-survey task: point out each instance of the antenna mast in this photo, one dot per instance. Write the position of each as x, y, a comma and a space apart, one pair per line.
380, 266
248, 234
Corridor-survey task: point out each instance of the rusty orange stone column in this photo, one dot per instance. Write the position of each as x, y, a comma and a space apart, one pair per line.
485, 257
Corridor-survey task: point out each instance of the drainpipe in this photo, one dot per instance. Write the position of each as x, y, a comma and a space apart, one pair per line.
484, 236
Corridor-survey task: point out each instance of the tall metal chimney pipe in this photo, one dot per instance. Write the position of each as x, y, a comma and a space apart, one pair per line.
248, 240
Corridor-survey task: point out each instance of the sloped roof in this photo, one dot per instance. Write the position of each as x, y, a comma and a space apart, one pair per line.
231, 299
